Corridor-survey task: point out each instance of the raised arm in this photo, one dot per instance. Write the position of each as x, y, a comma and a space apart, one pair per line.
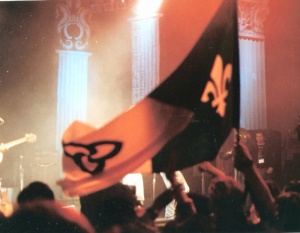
261, 195
211, 169
179, 193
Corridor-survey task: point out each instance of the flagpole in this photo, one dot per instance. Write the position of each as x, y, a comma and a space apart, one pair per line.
153, 186
237, 139
202, 183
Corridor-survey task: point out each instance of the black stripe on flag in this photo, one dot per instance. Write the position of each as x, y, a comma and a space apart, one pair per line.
207, 79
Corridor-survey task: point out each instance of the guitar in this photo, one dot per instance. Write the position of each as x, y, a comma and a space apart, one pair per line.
6, 208
28, 138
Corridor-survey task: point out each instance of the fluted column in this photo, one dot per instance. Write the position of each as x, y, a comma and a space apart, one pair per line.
71, 89
145, 55
74, 32
251, 17
145, 58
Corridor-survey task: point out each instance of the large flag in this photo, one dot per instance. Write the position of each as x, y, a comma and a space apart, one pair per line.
188, 117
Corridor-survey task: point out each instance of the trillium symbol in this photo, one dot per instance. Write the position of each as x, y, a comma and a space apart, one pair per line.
217, 86
91, 158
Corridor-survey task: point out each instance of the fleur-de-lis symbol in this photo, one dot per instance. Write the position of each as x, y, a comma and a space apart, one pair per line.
217, 86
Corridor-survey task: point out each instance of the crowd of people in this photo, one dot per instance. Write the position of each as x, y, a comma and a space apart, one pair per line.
258, 205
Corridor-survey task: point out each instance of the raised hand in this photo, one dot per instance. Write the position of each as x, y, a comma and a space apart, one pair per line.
243, 158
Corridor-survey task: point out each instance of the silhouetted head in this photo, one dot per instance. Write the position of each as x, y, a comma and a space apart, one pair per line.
225, 192
47, 217
112, 206
35, 191
228, 202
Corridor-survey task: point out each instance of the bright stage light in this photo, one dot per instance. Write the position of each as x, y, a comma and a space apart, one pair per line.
147, 7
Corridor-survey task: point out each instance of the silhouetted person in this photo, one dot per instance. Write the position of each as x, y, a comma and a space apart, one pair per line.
111, 207
46, 217
35, 191
228, 201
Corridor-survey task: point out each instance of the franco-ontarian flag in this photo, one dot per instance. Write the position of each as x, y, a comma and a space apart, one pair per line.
188, 116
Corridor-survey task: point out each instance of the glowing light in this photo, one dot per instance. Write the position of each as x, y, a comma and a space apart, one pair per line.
147, 7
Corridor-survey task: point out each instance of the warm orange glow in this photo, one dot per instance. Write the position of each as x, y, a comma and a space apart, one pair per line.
147, 7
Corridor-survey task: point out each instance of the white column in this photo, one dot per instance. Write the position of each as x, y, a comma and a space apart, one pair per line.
71, 89
145, 56
145, 62
252, 14
74, 33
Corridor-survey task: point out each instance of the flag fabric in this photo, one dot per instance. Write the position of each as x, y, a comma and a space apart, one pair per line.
207, 83
188, 116
94, 159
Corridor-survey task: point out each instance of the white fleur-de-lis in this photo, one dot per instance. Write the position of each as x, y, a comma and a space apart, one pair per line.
217, 86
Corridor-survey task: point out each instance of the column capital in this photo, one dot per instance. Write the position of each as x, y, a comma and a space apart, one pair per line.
251, 17
100, 6
73, 25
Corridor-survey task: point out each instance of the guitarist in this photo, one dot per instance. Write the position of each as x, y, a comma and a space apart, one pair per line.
10, 172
